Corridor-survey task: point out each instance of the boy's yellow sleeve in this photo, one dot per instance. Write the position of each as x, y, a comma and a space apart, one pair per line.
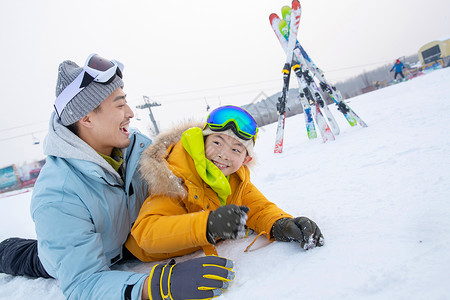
165, 229
263, 213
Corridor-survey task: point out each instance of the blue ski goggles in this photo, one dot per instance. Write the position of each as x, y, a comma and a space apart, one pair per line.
96, 69
234, 118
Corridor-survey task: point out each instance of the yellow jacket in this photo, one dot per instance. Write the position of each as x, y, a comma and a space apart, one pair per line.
173, 219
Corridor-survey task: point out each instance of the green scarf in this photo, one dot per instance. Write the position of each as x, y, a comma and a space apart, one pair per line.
115, 160
193, 143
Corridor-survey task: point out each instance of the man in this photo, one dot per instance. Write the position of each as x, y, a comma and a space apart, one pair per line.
398, 66
88, 196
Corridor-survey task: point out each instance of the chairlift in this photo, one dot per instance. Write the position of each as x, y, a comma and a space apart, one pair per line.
207, 105
136, 116
36, 141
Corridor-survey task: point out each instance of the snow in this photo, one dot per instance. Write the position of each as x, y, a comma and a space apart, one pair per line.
379, 194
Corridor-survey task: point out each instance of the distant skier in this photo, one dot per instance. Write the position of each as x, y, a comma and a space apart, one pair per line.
398, 66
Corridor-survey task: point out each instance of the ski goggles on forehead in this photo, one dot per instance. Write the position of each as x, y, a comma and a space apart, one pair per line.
236, 118
96, 69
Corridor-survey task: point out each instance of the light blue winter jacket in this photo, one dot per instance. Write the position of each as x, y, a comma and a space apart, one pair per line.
83, 213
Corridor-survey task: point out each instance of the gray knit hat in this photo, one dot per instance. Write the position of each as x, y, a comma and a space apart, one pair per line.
86, 100
248, 144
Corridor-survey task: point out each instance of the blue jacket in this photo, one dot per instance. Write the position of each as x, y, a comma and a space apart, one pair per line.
83, 212
398, 67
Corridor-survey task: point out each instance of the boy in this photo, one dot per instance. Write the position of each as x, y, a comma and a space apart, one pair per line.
200, 191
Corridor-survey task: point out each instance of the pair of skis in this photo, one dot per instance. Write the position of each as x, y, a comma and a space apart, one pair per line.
294, 21
310, 97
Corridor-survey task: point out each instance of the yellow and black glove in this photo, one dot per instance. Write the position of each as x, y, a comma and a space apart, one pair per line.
199, 278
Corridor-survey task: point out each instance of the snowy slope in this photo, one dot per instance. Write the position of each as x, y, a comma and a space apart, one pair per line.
379, 194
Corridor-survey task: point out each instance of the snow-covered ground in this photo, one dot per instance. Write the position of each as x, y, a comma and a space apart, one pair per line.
380, 195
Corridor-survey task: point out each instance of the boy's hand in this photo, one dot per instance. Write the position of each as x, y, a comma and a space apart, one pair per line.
199, 278
300, 229
227, 222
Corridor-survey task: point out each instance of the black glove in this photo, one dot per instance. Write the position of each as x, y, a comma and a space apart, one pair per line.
199, 278
227, 222
300, 229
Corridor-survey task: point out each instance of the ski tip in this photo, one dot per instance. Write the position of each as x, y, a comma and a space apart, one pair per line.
295, 4
273, 16
286, 13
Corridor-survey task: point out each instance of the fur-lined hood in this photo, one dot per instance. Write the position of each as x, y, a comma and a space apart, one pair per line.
153, 165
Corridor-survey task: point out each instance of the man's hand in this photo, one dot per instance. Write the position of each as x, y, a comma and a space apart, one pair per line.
300, 229
227, 222
199, 278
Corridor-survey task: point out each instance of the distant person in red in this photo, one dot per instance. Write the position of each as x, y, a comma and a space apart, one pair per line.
398, 66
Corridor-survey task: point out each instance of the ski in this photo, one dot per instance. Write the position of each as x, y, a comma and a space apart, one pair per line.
304, 89
309, 120
295, 12
307, 112
319, 99
352, 118
325, 131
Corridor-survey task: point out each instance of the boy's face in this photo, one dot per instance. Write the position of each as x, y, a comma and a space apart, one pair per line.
108, 125
227, 153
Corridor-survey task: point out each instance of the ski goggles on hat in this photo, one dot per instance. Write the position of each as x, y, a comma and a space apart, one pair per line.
96, 69
236, 118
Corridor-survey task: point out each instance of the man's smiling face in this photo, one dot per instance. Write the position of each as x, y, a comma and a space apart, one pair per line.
108, 124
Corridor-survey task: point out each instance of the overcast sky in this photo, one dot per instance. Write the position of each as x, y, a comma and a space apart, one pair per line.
191, 51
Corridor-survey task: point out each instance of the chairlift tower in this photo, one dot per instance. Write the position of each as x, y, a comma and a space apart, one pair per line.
149, 105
